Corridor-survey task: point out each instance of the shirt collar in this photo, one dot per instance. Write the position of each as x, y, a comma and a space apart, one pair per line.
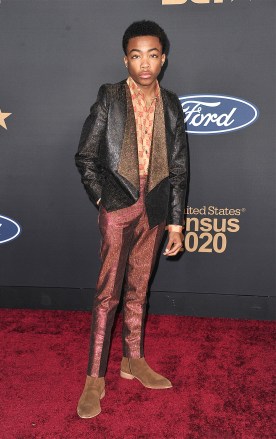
137, 90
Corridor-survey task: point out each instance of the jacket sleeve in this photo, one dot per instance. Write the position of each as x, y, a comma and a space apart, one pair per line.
87, 156
178, 173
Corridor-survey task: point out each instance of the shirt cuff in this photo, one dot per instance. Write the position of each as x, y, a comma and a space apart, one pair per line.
174, 228
98, 202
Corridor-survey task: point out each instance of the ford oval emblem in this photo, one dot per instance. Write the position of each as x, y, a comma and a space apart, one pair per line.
216, 114
9, 229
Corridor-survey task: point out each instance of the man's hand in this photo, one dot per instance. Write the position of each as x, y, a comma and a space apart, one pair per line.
174, 243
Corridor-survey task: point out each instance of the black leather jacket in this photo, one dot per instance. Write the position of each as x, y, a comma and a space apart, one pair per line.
107, 156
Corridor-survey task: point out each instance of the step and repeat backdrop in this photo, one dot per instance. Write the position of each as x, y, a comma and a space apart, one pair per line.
55, 54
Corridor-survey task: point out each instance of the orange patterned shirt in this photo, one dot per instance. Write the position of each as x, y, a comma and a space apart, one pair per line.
144, 116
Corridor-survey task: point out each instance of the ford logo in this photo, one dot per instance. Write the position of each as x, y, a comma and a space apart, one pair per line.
215, 114
9, 229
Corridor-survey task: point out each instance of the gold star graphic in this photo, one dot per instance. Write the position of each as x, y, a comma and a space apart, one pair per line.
3, 116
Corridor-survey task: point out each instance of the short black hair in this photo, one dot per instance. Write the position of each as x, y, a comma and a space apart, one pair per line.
145, 27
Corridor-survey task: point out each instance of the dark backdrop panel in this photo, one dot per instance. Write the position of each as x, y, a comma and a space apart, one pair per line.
54, 56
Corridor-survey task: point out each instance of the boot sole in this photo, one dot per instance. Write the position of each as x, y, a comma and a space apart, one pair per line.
89, 417
128, 376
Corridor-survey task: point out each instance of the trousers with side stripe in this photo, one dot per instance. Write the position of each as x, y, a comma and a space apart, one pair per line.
128, 253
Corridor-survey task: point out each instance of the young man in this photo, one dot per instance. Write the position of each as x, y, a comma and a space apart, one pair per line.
133, 161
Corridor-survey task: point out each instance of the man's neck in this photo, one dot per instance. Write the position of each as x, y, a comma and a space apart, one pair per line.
148, 90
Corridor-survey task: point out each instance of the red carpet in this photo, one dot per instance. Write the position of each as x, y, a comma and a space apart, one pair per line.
222, 372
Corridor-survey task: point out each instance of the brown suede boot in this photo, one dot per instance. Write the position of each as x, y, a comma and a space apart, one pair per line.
89, 403
138, 368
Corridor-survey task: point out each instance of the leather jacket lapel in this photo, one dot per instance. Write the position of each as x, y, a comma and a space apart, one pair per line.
158, 165
128, 166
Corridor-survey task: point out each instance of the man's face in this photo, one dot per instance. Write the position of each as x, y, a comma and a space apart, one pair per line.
144, 59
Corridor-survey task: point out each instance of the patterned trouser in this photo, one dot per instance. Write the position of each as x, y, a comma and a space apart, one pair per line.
128, 248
